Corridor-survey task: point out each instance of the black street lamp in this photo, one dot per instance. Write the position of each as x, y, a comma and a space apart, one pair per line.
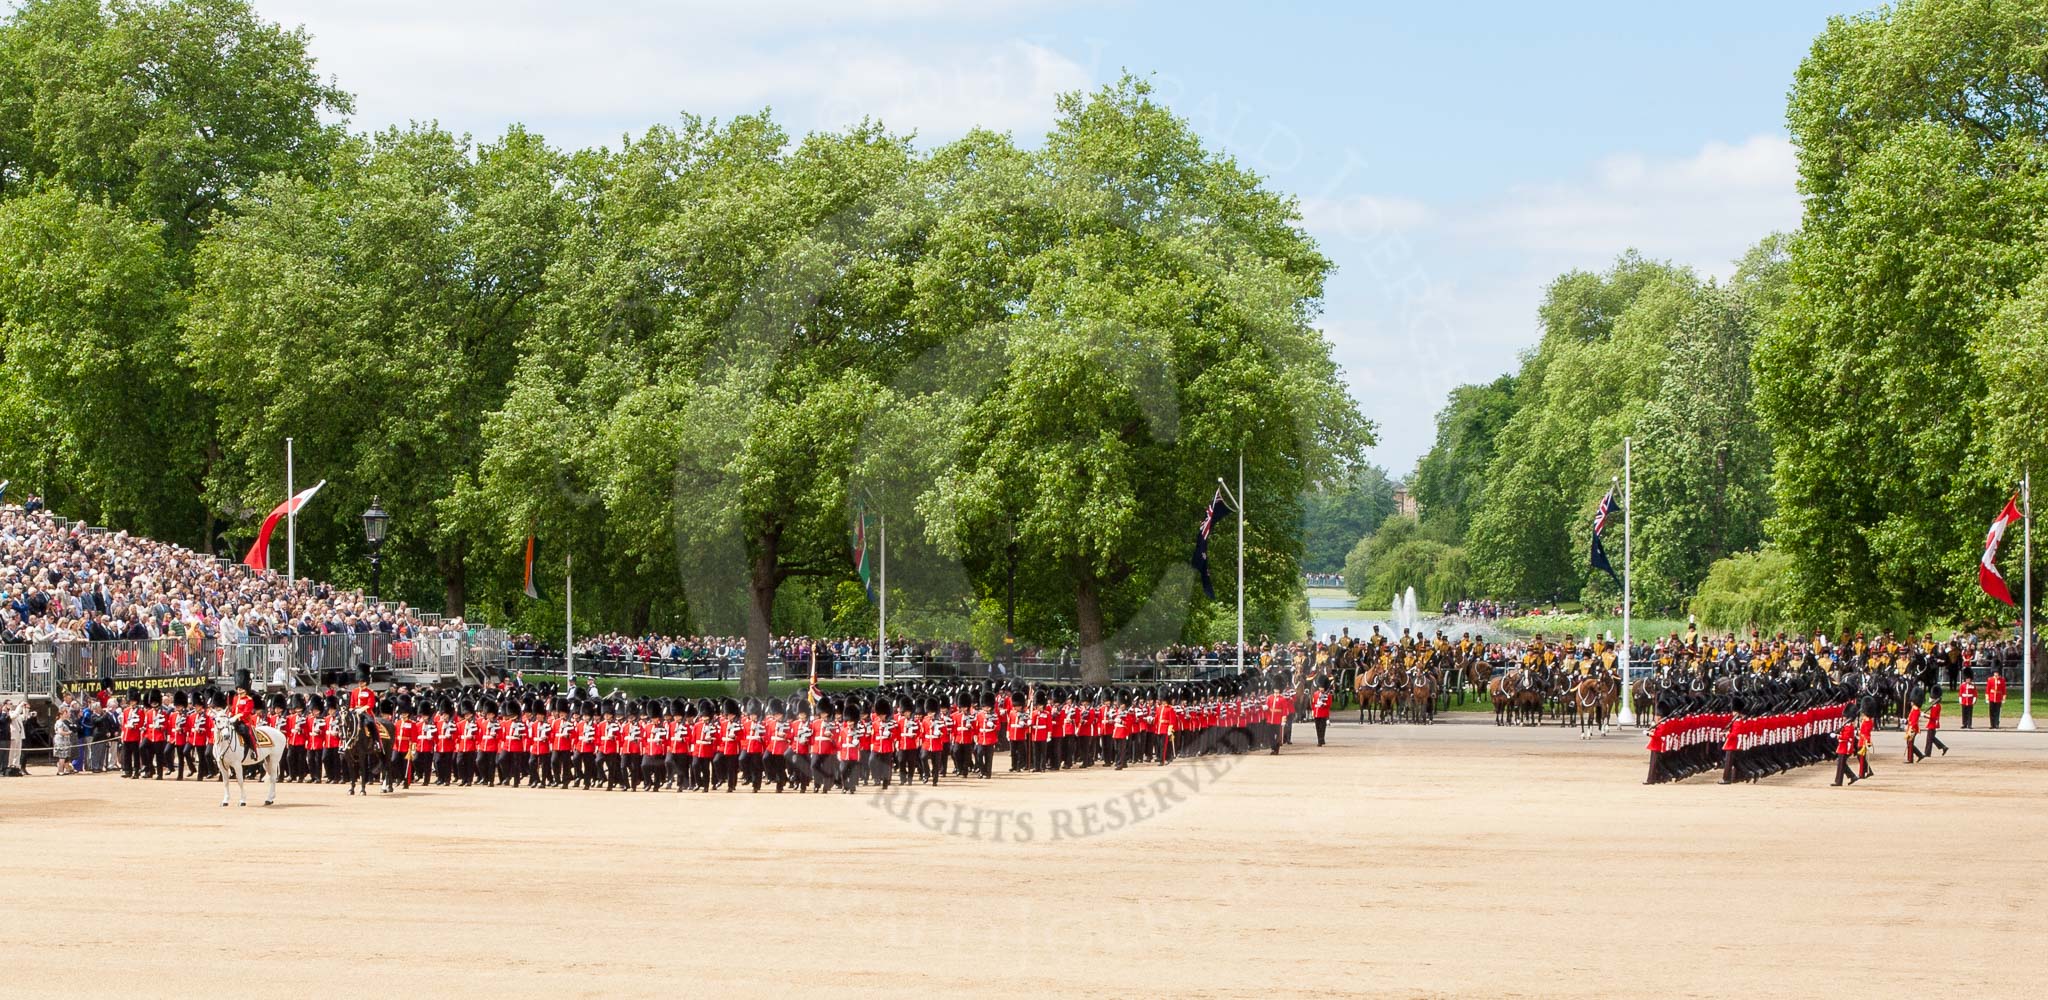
373, 532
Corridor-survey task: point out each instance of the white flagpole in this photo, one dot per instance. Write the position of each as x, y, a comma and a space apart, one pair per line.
2027, 604
882, 610
291, 520
1628, 707
569, 620
1240, 561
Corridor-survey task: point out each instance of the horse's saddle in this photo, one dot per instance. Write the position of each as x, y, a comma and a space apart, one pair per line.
262, 739
383, 730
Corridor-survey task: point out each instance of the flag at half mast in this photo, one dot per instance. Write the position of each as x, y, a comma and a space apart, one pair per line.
1600, 516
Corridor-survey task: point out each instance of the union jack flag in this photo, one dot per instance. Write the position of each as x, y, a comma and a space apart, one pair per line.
1606, 508
1599, 554
1217, 509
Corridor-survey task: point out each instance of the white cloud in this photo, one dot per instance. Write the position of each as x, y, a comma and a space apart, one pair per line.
1704, 209
586, 75
1431, 296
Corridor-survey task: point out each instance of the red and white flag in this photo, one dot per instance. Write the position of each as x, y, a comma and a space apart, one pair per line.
1987, 567
259, 553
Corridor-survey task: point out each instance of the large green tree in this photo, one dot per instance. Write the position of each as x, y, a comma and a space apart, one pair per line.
1334, 516
99, 407
374, 317
1450, 479
1161, 331
1920, 134
1580, 392
158, 119
172, 108
1702, 462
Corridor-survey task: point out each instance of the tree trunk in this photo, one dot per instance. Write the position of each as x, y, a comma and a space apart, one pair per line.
762, 582
454, 584
1088, 621
642, 610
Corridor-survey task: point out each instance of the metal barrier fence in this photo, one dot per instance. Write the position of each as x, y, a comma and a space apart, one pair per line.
47, 669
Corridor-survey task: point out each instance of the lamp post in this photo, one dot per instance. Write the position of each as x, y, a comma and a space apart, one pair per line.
373, 533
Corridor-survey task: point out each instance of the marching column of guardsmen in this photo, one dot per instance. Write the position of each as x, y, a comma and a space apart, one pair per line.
535, 737
1753, 736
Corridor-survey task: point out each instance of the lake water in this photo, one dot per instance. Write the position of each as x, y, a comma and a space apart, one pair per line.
1332, 611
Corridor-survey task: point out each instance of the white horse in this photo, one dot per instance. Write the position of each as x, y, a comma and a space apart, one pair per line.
227, 753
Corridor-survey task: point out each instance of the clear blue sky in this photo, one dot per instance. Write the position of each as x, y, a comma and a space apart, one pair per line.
1452, 159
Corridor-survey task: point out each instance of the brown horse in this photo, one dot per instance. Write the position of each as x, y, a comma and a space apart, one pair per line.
1517, 698
1588, 697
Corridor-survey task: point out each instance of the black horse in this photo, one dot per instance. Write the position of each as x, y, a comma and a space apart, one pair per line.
362, 746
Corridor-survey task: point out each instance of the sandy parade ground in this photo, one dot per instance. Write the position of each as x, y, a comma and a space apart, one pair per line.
1454, 860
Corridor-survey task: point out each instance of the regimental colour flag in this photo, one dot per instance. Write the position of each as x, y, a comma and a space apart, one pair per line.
1987, 566
860, 551
532, 582
259, 553
1218, 510
1599, 526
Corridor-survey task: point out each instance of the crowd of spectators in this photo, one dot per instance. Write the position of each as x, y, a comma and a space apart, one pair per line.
66, 583
1485, 611
719, 656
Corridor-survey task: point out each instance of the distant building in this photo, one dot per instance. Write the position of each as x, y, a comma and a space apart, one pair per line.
1404, 501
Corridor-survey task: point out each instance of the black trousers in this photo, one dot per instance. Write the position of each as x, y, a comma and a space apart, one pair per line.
1994, 705
1966, 715
1842, 769
1322, 730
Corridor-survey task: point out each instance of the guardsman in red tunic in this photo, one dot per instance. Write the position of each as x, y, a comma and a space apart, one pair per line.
1737, 730
1866, 733
1168, 715
1912, 735
540, 733
491, 733
1020, 738
822, 748
204, 734
243, 710
987, 728
1966, 695
931, 762
131, 737
1319, 708
1994, 694
1845, 748
360, 697
704, 735
1934, 728
405, 742
1276, 717
779, 733
1121, 734
851, 738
